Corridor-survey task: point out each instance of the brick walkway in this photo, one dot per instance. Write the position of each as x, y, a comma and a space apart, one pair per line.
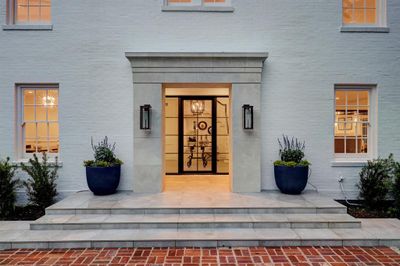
223, 256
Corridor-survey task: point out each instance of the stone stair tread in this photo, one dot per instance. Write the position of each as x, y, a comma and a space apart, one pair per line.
193, 218
191, 237
180, 234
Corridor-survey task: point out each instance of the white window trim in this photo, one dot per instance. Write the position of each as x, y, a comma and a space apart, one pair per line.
21, 156
380, 26
11, 23
200, 6
359, 159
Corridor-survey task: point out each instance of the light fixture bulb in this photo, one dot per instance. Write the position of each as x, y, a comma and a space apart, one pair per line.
48, 101
197, 107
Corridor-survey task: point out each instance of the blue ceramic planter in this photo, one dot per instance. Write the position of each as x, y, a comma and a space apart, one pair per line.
291, 180
103, 180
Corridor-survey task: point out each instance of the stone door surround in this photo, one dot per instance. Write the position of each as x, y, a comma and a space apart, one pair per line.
151, 71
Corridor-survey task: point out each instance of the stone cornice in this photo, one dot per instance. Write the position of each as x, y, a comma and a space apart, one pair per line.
205, 55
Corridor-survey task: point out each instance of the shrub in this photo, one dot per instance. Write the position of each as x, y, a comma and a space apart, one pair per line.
8, 185
41, 185
291, 152
375, 181
396, 189
104, 155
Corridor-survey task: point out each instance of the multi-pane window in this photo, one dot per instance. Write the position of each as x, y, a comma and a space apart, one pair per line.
364, 13
360, 12
352, 122
198, 2
31, 11
39, 127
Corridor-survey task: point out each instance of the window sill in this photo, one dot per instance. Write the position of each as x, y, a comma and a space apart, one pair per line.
197, 9
28, 27
366, 29
26, 161
349, 163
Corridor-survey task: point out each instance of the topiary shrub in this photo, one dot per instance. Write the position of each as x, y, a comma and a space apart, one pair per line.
375, 181
8, 186
41, 186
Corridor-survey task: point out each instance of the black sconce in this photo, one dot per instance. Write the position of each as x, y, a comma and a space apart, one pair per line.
145, 116
248, 119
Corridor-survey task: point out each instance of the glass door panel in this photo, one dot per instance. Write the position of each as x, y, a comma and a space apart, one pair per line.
171, 143
197, 135
223, 133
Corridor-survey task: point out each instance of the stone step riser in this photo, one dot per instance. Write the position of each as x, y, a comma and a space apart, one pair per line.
333, 210
199, 225
195, 243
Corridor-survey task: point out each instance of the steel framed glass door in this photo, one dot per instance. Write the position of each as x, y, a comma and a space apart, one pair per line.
197, 137
192, 146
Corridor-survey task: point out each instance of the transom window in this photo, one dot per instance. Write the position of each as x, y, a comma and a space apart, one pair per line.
39, 127
353, 122
197, 2
364, 12
30, 11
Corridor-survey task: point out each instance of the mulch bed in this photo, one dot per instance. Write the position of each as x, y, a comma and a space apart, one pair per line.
25, 213
359, 211
337, 256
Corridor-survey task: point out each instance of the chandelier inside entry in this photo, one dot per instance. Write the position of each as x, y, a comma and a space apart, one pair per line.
197, 107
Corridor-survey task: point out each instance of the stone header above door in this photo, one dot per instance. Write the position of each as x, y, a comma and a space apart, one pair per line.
242, 71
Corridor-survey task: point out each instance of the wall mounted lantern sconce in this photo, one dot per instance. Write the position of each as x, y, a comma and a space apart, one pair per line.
248, 119
145, 117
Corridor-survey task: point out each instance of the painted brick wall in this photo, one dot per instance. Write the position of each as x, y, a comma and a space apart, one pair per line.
308, 55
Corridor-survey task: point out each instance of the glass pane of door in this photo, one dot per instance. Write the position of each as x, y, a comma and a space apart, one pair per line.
223, 133
171, 142
197, 135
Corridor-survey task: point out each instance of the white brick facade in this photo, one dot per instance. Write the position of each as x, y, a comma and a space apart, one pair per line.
308, 55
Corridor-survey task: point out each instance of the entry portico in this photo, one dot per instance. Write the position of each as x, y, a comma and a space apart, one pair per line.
240, 72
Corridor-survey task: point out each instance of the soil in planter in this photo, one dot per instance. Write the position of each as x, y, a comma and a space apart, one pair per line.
25, 213
361, 212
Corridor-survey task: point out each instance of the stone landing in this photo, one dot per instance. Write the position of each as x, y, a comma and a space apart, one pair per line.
198, 219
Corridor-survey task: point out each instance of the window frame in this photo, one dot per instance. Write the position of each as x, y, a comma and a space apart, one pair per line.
201, 3
19, 115
12, 20
381, 19
200, 6
372, 124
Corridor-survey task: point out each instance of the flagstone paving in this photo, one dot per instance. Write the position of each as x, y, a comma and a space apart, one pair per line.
335, 256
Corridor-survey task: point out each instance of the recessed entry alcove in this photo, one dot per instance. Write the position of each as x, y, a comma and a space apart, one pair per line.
190, 95
197, 145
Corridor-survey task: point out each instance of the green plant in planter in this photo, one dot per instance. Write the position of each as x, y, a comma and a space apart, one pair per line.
291, 152
104, 172
8, 185
291, 171
104, 155
292, 164
376, 181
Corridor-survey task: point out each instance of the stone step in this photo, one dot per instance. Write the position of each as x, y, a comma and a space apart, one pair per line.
337, 209
182, 221
195, 238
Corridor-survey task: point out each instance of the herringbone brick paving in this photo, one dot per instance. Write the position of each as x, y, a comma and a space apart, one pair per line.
336, 256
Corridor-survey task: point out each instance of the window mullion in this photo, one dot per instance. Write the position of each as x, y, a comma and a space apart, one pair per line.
40, 10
